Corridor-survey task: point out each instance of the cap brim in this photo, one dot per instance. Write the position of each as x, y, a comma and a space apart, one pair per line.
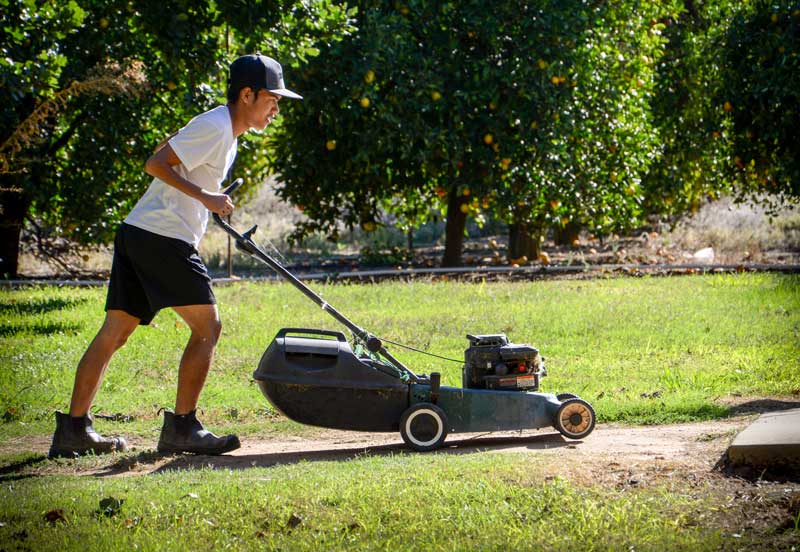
286, 93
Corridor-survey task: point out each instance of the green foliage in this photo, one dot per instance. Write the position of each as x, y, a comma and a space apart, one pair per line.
549, 114
582, 154
726, 105
528, 113
86, 170
692, 128
760, 71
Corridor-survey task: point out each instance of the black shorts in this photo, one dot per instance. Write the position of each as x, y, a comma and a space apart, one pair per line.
151, 272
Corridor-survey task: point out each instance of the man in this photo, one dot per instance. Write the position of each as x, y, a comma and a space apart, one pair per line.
156, 264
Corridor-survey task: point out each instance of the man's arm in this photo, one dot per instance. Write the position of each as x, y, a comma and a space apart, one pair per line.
160, 165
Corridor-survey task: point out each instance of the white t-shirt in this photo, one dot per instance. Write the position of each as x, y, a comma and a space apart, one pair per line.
206, 148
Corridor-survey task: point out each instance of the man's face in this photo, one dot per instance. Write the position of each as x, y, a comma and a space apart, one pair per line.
263, 108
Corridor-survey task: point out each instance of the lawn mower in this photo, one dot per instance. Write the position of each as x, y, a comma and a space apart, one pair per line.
316, 377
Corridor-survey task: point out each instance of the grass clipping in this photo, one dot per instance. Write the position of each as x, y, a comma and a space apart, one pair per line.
110, 78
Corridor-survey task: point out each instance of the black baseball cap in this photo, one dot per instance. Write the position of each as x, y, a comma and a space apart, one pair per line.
259, 73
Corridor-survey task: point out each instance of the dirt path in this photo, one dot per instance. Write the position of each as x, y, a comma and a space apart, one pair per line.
692, 448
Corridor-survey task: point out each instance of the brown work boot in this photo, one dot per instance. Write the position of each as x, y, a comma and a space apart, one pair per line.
75, 436
185, 433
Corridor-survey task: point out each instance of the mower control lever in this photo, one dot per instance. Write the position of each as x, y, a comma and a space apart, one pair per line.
250, 232
233, 187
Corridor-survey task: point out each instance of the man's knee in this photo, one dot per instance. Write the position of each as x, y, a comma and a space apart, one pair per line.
209, 330
116, 332
120, 340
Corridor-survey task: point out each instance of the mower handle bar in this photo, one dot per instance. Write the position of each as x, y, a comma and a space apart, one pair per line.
245, 244
312, 331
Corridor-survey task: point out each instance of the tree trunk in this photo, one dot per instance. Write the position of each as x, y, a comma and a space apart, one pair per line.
565, 235
13, 208
454, 228
523, 242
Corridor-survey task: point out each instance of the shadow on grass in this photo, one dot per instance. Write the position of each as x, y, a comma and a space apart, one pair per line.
49, 328
268, 459
38, 307
10, 472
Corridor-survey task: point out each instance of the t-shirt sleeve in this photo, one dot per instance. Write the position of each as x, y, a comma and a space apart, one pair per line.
197, 143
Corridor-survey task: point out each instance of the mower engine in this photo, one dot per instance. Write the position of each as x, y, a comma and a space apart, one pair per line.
491, 362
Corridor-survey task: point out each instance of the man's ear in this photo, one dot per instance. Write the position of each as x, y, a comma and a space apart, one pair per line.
246, 94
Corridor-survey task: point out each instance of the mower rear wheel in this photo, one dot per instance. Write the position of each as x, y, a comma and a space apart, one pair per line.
575, 419
423, 427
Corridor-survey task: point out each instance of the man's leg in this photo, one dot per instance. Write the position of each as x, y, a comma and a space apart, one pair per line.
75, 434
182, 431
116, 329
203, 321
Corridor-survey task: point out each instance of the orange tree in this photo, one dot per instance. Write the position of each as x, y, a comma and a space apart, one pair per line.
694, 124
76, 172
725, 105
580, 159
536, 114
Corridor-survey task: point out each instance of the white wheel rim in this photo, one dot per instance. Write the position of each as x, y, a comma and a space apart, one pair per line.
439, 431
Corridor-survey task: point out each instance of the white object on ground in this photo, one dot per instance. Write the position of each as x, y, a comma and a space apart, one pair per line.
705, 255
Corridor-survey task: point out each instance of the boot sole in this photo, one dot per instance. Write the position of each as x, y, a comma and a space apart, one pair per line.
231, 445
119, 445
64, 453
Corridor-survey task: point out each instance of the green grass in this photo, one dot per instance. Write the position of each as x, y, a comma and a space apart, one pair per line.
693, 340
690, 340
404, 502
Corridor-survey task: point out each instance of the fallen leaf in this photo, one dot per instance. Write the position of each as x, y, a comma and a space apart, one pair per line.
294, 521
55, 515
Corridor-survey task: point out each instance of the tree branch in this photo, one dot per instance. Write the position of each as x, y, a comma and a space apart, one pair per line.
69, 133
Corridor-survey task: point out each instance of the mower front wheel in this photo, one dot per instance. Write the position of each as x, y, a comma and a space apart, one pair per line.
423, 427
575, 419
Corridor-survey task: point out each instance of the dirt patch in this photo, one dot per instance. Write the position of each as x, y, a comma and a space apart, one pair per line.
611, 450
